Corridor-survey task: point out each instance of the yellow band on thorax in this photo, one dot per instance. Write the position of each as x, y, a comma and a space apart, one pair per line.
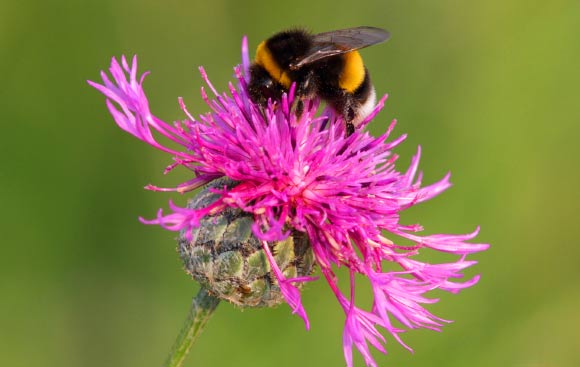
265, 59
353, 73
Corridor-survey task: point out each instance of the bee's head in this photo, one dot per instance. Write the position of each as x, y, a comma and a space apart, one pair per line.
262, 86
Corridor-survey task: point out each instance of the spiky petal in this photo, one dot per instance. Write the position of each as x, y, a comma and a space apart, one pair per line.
303, 173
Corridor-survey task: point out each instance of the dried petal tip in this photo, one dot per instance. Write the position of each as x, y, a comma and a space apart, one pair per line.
226, 258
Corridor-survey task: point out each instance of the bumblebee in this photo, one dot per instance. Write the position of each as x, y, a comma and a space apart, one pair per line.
325, 65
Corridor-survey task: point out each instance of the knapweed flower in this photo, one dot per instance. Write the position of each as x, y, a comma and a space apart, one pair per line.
301, 174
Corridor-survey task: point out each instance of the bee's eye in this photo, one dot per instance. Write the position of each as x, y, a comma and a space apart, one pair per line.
266, 87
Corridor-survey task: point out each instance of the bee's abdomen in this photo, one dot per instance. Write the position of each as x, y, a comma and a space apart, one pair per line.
364, 98
353, 72
364, 89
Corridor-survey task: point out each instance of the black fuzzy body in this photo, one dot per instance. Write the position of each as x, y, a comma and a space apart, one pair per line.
320, 78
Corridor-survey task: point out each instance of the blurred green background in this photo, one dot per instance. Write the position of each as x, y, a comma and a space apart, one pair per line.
489, 89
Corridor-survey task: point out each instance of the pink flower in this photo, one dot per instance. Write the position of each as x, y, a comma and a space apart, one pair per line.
343, 192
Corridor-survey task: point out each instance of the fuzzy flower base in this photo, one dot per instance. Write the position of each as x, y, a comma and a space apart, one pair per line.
303, 173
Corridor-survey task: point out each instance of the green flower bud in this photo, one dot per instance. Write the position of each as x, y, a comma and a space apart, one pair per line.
225, 257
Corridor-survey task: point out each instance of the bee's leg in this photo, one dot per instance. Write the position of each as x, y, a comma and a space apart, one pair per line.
347, 107
298, 107
349, 129
305, 89
262, 109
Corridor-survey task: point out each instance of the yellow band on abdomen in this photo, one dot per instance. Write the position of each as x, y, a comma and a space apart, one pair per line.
265, 59
353, 73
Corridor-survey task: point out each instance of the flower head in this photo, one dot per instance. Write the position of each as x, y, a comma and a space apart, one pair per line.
303, 174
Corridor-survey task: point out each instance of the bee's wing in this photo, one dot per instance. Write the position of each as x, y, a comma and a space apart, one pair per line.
341, 41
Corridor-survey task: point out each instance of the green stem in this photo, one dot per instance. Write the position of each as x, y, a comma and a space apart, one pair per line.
201, 310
